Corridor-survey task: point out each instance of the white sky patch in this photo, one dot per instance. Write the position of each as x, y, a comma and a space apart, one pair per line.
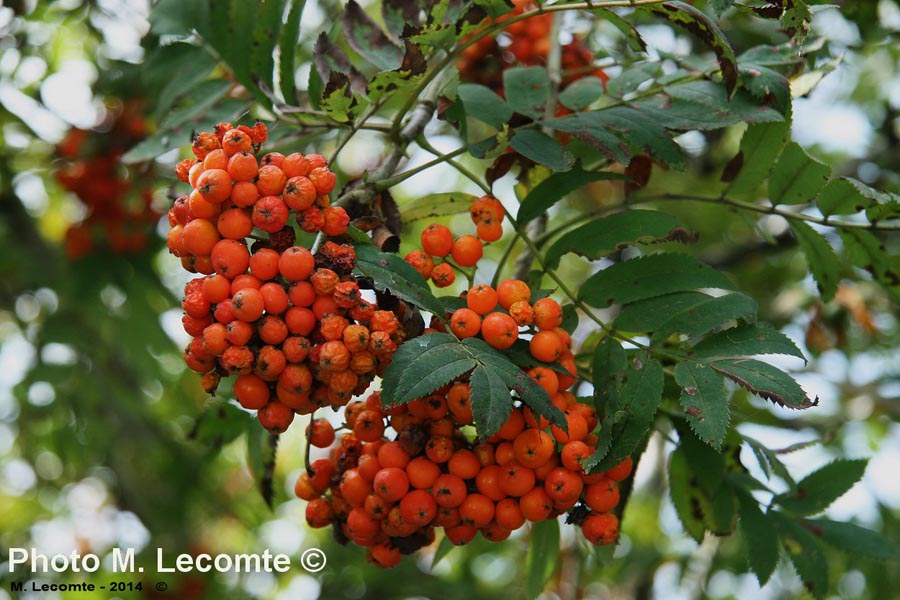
68, 94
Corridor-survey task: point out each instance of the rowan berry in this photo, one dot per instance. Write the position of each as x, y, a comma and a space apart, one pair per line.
489, 231
533, 448
336, 221
499, 330
536, 505
384, 555
230, 258
270, 362
244, 194
421, 261
323, 306
244, 281
300, 320
573, 454
622, 470
270, 213
354, 488
299, 193
482, 299
235, 224
320, 433
242, 166
601, 528
360, 525
422, 473
324, 179
546, 378
461, 534
296, 379
334, 356
251, 391
199, 236
311, 220
449, 490
296, 263
324, 281
510, 291
515, 480
442, 275
391, 483
459, 403
239, 333
319, 513
467, 250
235, 141
392, 454
486, 209
437, 240
216, 288
296, 165
248, 304
300, 293
488, 482
547, 313
214, 185
464, 464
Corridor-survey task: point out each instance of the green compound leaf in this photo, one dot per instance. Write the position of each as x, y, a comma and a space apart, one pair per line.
704, 400
760, 536
805, 552
822, 260
555, 188
868, 252
797, 177
542, 149
815, 492
745, 340
649, 277
290, 37
434, 206
696, 21
629, 422
686, 495
605, 235
392, 273
367, 38
690, 313
483, 104
543, 556
766, 381
423, 364
760, 148
853, 539
527, 90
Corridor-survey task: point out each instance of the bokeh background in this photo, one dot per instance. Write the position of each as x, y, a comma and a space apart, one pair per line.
107, 440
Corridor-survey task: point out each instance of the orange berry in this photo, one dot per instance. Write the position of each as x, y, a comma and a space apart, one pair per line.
601, 528
442, 275
499, 330
437, 240
465, 323
214, 185
622, 470
547, 313
510, 291
421, 261
489, 231
486, 209
482, 299
251, 391
296, 263
602, 496
533, 447
467, 250
545, 346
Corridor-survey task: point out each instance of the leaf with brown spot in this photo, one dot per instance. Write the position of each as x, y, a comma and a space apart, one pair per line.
638, 172
766, 381
330, 58
368, 39
704, 401
698, 23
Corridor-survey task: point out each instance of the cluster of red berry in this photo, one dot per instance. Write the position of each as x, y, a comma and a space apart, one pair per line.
389, 495
293, 326
118, 200
438, 242
525, 42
